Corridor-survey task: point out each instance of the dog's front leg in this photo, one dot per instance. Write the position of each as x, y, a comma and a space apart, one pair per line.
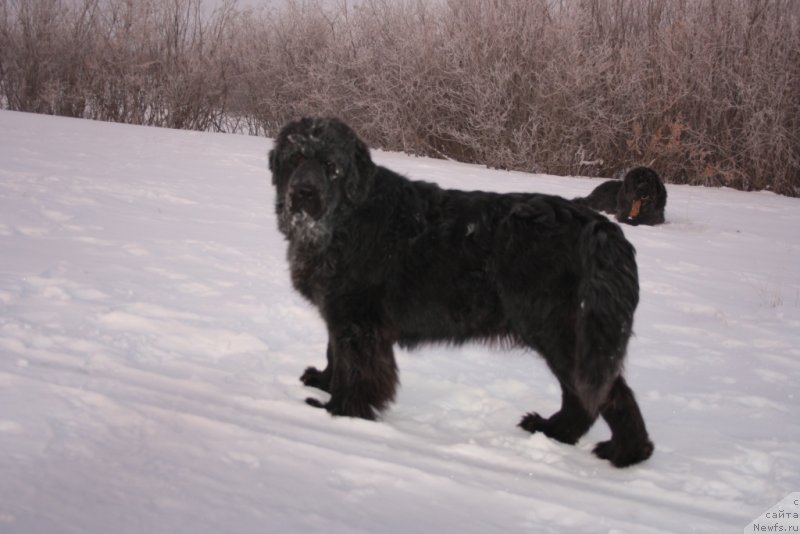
363, 372
315, 378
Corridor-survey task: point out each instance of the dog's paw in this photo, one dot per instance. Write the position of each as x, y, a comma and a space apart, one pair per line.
315, 403
623, 455
533, 422
315, 378
346, 408
556, 427
603, 450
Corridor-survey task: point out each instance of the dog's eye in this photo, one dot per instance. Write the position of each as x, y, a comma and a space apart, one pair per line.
296, 159
645, 197
332, 170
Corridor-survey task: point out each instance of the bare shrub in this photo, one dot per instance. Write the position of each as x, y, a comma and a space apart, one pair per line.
44, 43
138, 61
704, 91
163, 63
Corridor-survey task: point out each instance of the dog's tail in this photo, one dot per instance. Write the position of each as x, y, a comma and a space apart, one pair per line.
608, 292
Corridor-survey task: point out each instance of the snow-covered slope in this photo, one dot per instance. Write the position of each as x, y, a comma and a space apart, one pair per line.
150, 349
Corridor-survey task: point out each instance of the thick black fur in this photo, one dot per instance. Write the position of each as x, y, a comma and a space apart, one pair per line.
387, 261
639, 198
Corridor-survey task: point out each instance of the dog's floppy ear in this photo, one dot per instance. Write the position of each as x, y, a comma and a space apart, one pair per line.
662, 197
273, 157
359, 182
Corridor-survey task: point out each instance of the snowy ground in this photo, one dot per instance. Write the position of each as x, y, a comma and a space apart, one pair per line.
150, 349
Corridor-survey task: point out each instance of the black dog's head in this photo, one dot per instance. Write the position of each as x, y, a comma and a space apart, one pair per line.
642, 197
319, 168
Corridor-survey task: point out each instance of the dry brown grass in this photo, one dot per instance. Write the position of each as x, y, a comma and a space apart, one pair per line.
705, 91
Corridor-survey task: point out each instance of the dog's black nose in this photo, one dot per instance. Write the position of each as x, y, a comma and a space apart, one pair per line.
305, 198
303, 192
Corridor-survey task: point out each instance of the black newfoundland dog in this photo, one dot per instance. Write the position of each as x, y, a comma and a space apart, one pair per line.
388, 260
639, 198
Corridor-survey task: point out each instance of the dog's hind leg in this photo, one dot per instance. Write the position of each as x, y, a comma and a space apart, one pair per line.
629, 443
567, 425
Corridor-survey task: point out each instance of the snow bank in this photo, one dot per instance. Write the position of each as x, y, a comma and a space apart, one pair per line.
150, 349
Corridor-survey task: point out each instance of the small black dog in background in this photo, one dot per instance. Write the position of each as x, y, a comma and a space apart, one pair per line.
639, 198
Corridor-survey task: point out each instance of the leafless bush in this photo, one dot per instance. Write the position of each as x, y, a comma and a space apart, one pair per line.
41, 48
706, 91
138, 61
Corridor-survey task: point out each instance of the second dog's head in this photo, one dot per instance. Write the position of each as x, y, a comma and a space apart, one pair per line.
642, 197
319, 168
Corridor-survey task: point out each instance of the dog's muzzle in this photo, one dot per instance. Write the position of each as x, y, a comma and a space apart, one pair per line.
305, 193
305, 199
635, 208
